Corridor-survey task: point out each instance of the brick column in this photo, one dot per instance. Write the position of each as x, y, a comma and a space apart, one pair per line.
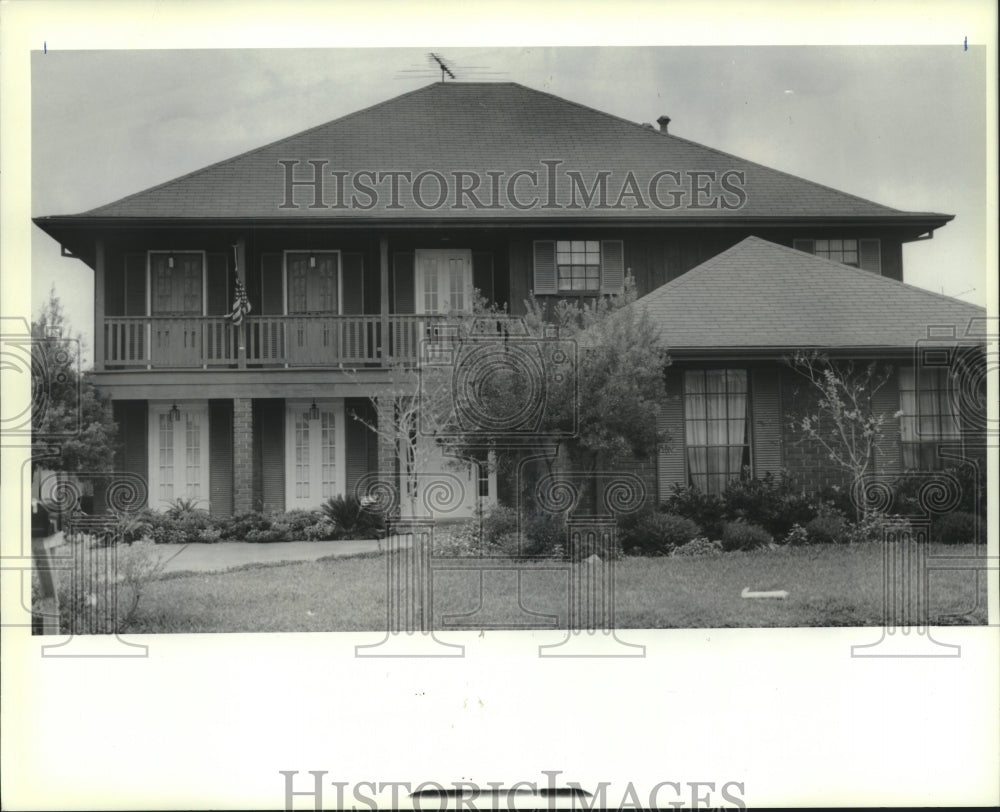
242, 455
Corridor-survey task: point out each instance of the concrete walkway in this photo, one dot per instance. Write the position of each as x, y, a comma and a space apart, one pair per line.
228, 554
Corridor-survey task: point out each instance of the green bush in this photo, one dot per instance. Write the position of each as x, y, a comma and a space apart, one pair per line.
235, 528
705, 509
459, 540
323, 530
352, 519
698, 546
971, 483
830, 527
959, 527
299, 521
740, 535
659, 533
546, 534
773, 502
498, 521
796, 536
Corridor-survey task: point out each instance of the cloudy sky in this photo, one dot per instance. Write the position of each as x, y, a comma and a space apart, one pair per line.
901, 125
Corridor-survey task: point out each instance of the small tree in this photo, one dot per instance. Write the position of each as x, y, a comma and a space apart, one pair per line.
842, 420
70, 412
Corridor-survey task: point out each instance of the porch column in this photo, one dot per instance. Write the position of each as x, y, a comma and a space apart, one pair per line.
241, 273
383, 264
99, 273
242, 455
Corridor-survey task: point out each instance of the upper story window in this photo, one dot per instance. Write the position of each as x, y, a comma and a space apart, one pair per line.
176, 282
929, 416
578, 266
865, 254
313, 281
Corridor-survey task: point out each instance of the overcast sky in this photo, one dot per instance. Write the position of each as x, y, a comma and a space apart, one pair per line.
901, 125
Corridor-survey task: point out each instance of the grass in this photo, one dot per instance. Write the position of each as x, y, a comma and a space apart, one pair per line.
827, 585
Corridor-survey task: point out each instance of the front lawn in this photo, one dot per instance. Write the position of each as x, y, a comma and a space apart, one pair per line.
828, 585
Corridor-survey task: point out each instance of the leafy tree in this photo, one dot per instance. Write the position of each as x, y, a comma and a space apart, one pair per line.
69, 410
841, 417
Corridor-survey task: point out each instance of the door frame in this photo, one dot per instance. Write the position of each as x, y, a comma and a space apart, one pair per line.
149, 279
297, 406
157, 408
284, 278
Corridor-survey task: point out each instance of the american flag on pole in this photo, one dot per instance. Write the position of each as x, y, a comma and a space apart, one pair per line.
241, 305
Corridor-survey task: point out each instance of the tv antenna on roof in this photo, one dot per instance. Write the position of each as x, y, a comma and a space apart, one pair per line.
441, 64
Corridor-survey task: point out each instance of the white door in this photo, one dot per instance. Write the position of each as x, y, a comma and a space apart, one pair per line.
314, 452
440, 487
178, 454
444, 280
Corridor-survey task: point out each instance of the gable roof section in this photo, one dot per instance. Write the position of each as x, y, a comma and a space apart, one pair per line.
758, 296
481, 128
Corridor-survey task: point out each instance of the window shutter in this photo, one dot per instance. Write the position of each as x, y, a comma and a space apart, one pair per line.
352, 267
612, 267
671, 468
545, 268
765, 410
403, 283
809, 246
271, 286
870, 255
218, 285
482, 275
888, 451
135, 284
220, 456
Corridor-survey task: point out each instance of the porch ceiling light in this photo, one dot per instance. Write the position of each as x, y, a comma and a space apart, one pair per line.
170, 264
313, 413
175, 413
312, 260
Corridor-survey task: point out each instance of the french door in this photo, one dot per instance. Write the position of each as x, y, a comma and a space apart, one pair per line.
314, 452
444, 280
178, 454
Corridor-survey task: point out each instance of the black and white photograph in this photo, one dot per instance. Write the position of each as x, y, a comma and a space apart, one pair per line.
569, 357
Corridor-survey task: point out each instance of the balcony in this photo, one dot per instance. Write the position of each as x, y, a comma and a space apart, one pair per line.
203, 342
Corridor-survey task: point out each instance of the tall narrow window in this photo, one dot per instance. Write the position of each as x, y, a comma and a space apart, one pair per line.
328, 461
929, 417
166, 460
192, 456
301, 457
716, 426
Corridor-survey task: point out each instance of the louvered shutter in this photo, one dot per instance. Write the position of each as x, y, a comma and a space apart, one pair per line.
870, 255
352, 267
217, 285
272, 294
269, 450
612, 267
220, 460
135, 284
888, 450
482, 275
766, 427
670, 420
403, 283
809, 246
545, 268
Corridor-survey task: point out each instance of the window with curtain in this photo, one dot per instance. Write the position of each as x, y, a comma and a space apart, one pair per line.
929, 417
717, 436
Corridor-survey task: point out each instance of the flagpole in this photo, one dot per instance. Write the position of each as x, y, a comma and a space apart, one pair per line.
241, 334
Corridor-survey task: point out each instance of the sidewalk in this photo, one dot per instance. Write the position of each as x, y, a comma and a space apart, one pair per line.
227, 554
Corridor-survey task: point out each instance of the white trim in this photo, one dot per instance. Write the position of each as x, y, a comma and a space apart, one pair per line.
296, 407
157, 408
284, 275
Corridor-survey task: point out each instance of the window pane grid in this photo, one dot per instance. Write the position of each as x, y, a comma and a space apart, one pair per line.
929, 417
716, 426
579, 264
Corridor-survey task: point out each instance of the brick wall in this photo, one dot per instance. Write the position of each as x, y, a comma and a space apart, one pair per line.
242, 455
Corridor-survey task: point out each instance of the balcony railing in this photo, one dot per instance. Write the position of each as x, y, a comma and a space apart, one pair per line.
192, 342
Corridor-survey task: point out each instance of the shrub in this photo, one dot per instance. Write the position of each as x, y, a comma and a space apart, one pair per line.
498, 521
740, 535
871, 528
235, 528
971, 482
352, 519
698, 546
299, 521
796, 536
705, 509
545, 534
959, 527
659, 533
323, 530
460, 540
829, 527
276, 532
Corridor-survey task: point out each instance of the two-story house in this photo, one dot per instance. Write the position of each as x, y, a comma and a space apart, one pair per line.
351, 238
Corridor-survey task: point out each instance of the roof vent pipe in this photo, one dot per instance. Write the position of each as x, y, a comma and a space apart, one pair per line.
664, 122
